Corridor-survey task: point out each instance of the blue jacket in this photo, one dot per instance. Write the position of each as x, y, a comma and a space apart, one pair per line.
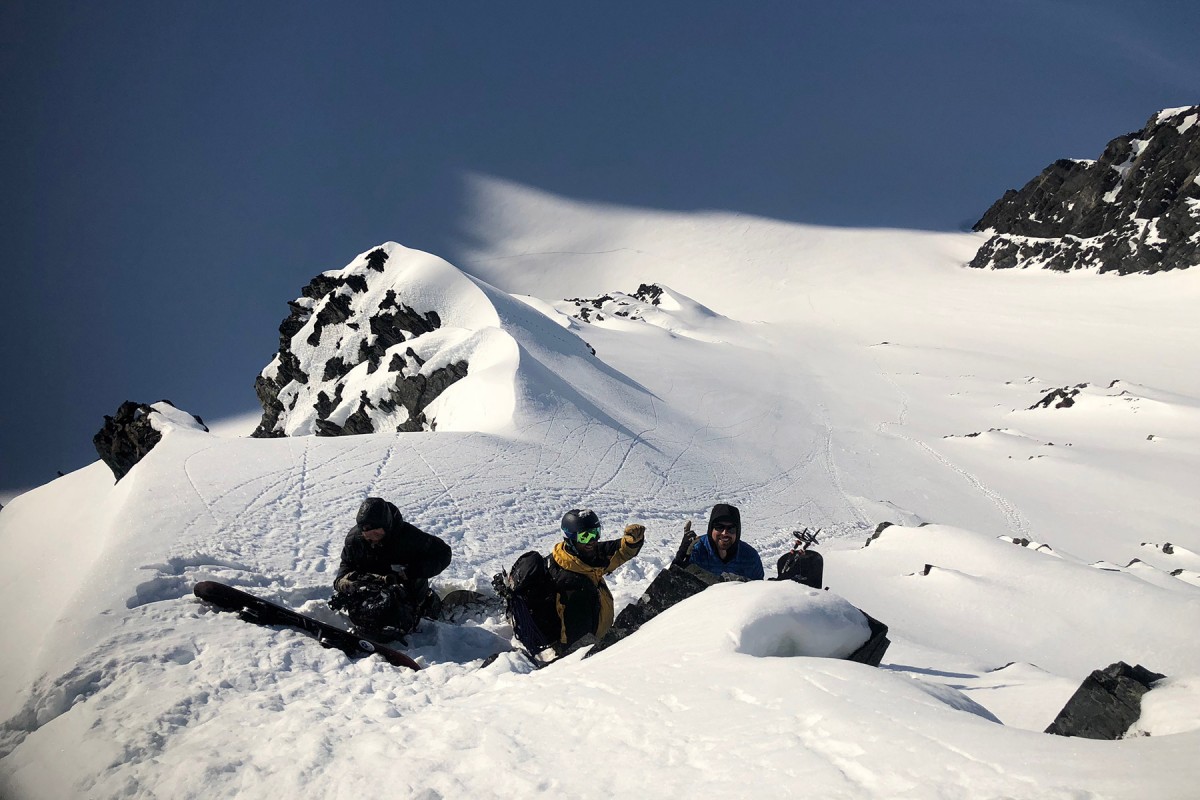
745, 561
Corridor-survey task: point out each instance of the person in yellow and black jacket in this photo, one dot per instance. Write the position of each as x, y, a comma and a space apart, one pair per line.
577, 567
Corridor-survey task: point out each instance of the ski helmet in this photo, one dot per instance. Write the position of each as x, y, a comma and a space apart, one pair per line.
375, 512
577, 521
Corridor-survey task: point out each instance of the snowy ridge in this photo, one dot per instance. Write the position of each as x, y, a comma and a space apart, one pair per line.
378, 344
823, 378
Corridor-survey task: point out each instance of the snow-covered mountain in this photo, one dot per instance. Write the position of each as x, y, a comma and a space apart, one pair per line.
1033, 435
1136, 209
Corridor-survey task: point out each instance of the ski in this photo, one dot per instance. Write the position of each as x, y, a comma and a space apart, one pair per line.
264, 612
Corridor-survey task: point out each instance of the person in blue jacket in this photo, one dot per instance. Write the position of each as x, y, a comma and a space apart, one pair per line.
722, 549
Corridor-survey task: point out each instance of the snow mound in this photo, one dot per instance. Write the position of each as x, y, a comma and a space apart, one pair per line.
1022, 604
764, 619
169, 418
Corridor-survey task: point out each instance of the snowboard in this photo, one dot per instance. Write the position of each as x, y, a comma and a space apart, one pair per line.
264, 612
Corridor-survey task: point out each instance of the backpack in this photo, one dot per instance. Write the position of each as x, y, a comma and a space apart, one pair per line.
531, 607
803, 566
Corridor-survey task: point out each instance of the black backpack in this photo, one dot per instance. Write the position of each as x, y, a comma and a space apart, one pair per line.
531, 608
803, 566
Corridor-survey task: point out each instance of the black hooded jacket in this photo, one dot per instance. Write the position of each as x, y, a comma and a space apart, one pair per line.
421, 554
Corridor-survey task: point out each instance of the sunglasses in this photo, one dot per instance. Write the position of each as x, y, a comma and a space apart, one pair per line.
725, 526
588, 536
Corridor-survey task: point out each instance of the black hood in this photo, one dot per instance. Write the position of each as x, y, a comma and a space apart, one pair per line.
375, 512
726, 511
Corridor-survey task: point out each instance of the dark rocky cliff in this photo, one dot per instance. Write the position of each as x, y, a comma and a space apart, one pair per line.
1136, 209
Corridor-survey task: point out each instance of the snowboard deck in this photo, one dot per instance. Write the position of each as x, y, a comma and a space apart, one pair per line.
264, 612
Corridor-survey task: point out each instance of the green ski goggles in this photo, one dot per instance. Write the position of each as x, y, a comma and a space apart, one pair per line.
588, 536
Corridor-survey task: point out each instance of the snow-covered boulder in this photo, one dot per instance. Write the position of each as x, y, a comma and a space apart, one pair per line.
134, 430
1136, 209
763, 619
375, 346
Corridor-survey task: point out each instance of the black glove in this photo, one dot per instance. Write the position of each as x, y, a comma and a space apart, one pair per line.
683, 556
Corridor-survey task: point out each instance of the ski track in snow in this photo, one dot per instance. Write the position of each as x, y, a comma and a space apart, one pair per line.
1014, 519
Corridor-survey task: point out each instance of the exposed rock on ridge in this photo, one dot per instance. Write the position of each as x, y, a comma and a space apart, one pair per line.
617, 304
362, 352
1137, 209
134, 430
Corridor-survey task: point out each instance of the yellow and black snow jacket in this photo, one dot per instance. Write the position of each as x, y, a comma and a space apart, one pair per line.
582, 598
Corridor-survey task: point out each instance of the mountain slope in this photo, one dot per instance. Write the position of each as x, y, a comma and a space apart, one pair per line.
819, 377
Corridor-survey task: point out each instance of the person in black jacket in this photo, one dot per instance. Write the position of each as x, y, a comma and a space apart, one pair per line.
382, 583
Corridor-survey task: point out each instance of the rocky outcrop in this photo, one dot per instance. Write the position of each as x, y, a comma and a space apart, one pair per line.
360, 352
132, 432
617, 304
1106, 704
1135, 210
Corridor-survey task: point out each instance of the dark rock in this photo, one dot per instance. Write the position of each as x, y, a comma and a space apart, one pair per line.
336, 310
360, 421
416, 392
325, 405
1059, 398
649, 293
127, 436
1106, 704
879, 529
1134, 210
394, 324
376, 259
335, 368
357, 423
872, 651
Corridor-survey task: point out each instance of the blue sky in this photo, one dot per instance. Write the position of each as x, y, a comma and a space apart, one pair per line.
174, 173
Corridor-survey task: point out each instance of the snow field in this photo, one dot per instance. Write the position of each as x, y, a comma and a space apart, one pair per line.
836, 384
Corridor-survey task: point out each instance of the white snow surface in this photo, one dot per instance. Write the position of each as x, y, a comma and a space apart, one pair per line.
812, 376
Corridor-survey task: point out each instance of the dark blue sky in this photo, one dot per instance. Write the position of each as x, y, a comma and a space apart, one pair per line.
173, 173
